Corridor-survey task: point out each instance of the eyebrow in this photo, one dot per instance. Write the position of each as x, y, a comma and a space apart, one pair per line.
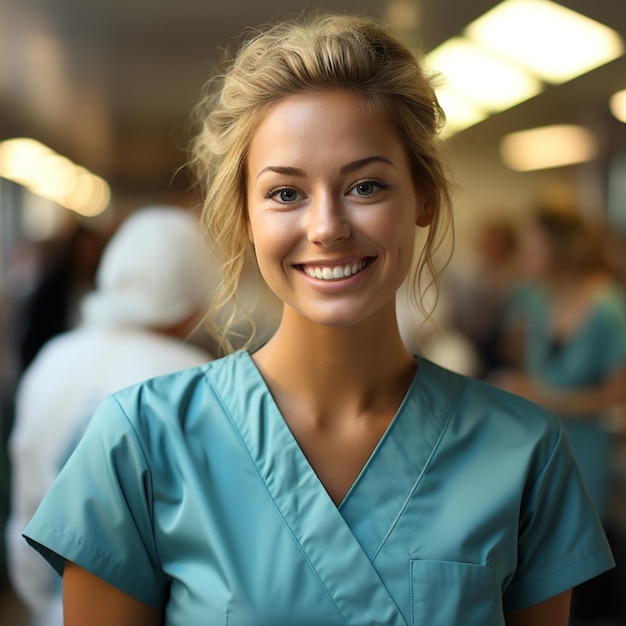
355, 165
282, 169
349, 167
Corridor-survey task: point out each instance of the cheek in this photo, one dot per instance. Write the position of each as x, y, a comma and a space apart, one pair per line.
268, 234
265, 267
403, 233
272, 241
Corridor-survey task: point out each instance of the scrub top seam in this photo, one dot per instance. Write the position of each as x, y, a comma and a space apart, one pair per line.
418, 480
394, 425
273, 501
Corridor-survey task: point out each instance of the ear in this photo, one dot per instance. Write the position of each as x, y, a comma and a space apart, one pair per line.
425, 213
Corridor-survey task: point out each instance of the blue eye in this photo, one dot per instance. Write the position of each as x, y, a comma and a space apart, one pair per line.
285, 195
366, 188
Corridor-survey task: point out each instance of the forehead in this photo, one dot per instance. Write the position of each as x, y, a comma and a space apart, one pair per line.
334, 124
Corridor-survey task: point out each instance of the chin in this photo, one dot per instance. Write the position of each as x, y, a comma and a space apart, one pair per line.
340, 319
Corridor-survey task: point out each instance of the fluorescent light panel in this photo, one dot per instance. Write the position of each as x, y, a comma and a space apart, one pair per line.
460, 113
507, 54
483, 79
555, 43
548, 147
50, 175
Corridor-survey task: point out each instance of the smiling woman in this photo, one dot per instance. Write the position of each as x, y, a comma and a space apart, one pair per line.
339, 198
329, 477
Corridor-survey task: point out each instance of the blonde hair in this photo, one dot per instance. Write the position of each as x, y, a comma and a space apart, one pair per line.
314, 53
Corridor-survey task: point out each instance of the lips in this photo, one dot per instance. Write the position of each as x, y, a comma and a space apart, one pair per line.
336, 272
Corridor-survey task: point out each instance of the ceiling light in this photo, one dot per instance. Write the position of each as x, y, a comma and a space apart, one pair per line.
617, 104
486, 81
547, 147
460, 114
50, 175
555, 43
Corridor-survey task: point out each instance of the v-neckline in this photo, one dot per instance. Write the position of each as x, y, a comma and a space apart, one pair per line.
304, 461
298, 496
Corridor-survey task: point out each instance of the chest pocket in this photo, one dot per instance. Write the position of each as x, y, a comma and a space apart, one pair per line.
445, 593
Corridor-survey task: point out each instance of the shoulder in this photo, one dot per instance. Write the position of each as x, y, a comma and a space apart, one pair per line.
479, 409
164, 423
169, 389
171, 399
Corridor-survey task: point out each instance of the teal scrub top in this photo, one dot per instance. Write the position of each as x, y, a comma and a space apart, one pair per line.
587, 358
189, 492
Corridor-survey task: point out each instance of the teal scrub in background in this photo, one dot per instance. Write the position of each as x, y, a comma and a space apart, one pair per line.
189, 492
585, 359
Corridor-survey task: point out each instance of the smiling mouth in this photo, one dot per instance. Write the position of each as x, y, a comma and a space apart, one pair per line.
336, 272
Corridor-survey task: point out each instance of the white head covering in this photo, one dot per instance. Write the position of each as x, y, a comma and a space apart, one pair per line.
154, 272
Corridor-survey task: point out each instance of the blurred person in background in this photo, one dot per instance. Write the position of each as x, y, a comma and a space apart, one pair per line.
484, 289
66, 272
573, 338
45, 281
151, 290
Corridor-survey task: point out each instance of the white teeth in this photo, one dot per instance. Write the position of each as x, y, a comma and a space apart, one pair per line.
334, 273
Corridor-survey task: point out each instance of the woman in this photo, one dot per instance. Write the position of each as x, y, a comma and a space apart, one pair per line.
574, 338
328, 477
573, 323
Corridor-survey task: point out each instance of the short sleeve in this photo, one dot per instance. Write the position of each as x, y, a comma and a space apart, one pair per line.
98, 512
561, 541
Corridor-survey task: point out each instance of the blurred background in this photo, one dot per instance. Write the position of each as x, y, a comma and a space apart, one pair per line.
95, 104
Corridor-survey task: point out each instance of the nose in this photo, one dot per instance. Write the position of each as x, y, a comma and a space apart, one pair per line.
327, 223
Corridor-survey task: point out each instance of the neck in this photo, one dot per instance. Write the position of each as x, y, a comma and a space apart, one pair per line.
326, 367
